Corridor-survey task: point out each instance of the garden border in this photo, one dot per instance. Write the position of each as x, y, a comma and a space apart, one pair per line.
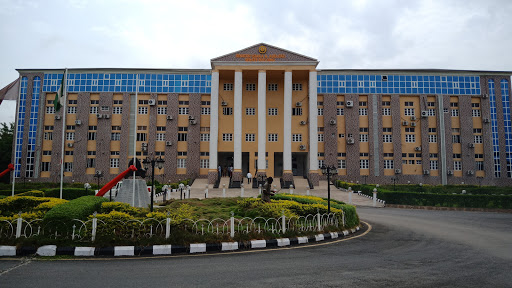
167, 250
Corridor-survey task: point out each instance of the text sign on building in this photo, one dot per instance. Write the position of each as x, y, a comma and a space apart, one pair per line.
262, 57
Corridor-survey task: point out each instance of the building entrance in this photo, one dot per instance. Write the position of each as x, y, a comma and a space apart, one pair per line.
225, 161
299, 163
278, 164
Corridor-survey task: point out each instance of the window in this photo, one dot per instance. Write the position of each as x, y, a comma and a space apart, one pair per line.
228, 86
272, 111
204, 154
142, 137
47, 152
204, 163
341, 135
68, 166
388, 154
363, 164
227, 110
160, 128
409, 111
321, 137
297, 137
272, 137
93, 110
105, 108
340, 103
477, 130
363, 129
205, 137
409, 104
182, 136
386, 103
320, 163
432, 155
297, 86
50, 110
116, 136
160, 136
340, 111
363, 103
118, 128
72, 110
205, 103
456, 138
182, 163
183, 103
70, 127
95, 102
227, 137
183, 110
159, 110
45, 166
296, 111
114, 162
386, 111
250, 87
456, 155
319, 103
432, 130
342, 164
454, 104
431, 112
120, 102
410, 138
205, 129
409, 130
117, 110
250, 111
431, 104
143, 110
363, 111
91, 136
320, 111
479, 156
477, 139
432, 138
250, 137
433, 164
91, 153
475, 112
182, 153
386, 138
115, 153
363, 137
457, 165
70, 135
475, 105
479, 165
272, 87
388, 164
455, 112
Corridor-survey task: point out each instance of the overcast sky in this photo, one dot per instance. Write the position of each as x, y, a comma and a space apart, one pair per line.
389, 34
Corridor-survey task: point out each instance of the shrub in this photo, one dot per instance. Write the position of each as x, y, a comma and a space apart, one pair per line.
35, 193
79, 208
12, 205
68, 193
107, 207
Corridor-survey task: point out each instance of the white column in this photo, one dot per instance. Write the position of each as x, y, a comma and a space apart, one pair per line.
262, 119
237, 137
214, 120
287, 137
313, 123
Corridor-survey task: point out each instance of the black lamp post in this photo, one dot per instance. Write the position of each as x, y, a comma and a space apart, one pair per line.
394, 182
160, 163
329, 171
98, 175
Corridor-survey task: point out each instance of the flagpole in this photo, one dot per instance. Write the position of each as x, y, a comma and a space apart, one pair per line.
16, 135
135, 136
63, 129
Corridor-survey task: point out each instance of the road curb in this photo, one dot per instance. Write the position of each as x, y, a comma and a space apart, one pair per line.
448, 208
159, 250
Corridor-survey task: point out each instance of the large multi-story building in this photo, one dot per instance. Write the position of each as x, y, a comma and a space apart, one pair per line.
269, 111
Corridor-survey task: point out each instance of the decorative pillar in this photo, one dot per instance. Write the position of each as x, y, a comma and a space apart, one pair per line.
237, 135
262, 123
313, 129
214, 128
287, 137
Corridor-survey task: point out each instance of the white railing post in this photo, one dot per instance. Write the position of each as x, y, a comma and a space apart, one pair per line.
259, 188
318, 219
350, 195
19, 222
188, 191
167, 227
232, 234
242, 190
374, 197
94, 226
223, 190
206, 192
291, 189
307, 192
284, 223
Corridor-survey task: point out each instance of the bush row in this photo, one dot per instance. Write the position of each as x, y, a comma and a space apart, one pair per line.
67, 193
79, 208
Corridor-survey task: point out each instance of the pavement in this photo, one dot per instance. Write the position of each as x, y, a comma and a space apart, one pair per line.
198, 190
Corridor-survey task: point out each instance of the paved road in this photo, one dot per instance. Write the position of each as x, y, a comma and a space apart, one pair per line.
405, 248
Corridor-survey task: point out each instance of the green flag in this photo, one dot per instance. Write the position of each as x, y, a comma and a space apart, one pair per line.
59, 97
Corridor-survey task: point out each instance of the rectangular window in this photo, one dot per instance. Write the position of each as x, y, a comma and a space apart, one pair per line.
389, 164
340, 103
340, 111
409, 104
227, 137
363, 164
182, 163
120, 102
93, 110
118, 128
204, 163
477, 139
297, 86
161, 110
250, 111
454, 112
205, 103
432, 138
272, 111
363, 137
342, 164
454, 104
433, 164
386, 103
272, 87
250, 87
227, 110
386, 138
297, 137
105, 108
50, 110
410, 138
183, 110
228, 86
431, 112
475, 131
479, 165
386, 111
363, 111
409, 111
182, 136
114, 162
160, 136
363, 103
68, 166
91, 136
142, 110
71, 110
456, 138
45, 166
95, 102
475, 113
296, 111
205, 110
183, 103
47, 152
321, 137
320, 163
142, 137
272, 137
205, 137
117, 110
431, 104
250, 137
320, 111
70, 135
116, 136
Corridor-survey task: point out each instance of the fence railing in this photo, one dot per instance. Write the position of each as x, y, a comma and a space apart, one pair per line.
90, 230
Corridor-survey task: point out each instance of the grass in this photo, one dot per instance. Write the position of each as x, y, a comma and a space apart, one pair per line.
207, 208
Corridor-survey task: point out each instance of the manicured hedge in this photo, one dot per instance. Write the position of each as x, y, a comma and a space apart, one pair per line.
8, 192
68, 193
79, 208
34, 193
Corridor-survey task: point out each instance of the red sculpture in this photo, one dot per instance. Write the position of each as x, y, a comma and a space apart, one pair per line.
10, 167
114, 181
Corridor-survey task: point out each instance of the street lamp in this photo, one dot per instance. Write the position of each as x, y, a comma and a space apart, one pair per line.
160, 163
329, 171
98, 175
87, 186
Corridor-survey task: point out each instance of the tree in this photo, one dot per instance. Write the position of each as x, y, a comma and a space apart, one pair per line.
6, 142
